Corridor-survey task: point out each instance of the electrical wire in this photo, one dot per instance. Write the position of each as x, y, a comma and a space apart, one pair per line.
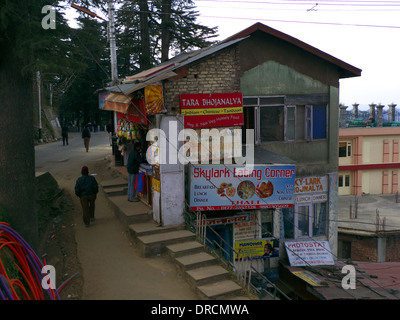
24, 259
305, 22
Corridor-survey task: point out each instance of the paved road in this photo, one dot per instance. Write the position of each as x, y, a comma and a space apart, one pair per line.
112, 269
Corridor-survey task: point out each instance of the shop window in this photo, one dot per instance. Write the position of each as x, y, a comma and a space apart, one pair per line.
340, 181
319, 219
274, 121
303, 214
295, 123
271, 124
319, 122
344, 180
288, 223
267, 223
305, 220
347, 180
344, 149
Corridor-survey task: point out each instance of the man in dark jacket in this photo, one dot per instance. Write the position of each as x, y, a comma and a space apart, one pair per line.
64, 133
134, 160
86, 188
86, 137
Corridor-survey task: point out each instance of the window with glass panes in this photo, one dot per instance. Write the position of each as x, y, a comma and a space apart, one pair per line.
273, 120
304, 220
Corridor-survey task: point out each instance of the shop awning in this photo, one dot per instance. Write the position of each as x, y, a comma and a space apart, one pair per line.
117, 102
122, 103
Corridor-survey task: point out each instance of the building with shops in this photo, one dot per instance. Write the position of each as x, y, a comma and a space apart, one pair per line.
283, 95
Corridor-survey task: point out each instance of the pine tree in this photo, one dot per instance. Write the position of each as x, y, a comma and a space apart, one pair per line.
148, 31
26, 46
80, 100
20, 39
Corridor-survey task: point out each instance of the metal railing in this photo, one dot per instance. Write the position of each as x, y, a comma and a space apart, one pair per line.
243, 269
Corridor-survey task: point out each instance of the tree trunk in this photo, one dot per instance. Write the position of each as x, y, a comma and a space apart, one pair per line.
165, 29
17, 153
144, 60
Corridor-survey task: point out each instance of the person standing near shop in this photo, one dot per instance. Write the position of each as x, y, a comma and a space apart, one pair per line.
86, 137
86, 188
134, 160
110, 131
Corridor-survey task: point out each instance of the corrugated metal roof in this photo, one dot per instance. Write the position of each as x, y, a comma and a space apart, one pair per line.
374, 280
165, 70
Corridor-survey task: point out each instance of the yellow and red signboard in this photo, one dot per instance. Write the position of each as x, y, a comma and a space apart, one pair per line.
153, 98
212, 110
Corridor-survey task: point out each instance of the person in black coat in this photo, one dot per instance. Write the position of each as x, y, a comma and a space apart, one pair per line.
64, 134
86, 137
134, 160
86, 188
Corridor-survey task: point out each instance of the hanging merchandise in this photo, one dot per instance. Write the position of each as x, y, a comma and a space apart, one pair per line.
128, 131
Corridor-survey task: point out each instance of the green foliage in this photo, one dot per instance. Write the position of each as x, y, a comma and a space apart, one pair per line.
80, 99
183, 32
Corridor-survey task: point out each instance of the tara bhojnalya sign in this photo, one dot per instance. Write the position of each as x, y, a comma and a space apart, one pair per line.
212, 110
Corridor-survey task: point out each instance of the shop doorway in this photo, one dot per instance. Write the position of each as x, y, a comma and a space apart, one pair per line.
220, 239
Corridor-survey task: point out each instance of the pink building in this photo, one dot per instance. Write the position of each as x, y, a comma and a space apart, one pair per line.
369, 158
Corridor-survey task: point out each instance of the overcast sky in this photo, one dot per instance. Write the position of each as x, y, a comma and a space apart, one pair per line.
365, 34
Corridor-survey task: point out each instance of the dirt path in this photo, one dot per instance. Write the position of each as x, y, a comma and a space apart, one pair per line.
107, 261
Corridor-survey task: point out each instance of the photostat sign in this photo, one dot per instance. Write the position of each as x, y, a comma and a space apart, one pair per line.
306, 253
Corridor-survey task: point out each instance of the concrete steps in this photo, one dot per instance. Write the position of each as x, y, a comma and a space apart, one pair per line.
205, 275
150, 227
156, 243
151, 238
219, 290
130, 212
196, 260
117, 187
181, 249
202, 271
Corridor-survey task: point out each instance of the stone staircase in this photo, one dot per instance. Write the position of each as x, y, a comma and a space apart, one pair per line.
202, 270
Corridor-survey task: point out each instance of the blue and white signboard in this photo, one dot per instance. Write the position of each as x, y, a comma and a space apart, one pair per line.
230, 187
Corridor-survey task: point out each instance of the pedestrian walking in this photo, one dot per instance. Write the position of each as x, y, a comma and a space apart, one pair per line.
64, 133
86, 137
110, 130
134, 160
86, 188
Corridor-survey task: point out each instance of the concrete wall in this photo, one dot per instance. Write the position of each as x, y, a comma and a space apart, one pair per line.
172, 174
382, 248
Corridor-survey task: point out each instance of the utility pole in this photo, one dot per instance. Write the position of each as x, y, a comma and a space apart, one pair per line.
111, 39
110, 35
113, 46
113, 51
